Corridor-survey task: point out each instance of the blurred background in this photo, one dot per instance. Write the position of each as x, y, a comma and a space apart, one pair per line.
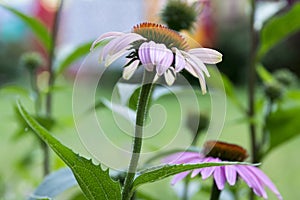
223, 26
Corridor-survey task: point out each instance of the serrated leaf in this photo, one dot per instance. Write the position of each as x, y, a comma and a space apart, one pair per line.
161, 172
77, 53
92, 179
54, 184
38, 28
278, 28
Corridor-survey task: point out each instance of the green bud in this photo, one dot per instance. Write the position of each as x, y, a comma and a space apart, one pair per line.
31, 61
273, 90
178, 15
285, 77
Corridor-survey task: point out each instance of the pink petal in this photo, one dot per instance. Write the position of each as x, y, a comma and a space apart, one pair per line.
179, 177
161, 57
124, 41
111, 58
265, 180
208, 56
230, 174
179, 60
144, 55
181, 157
130, 69
251, 180
219, 177
105, 36
199, 75
196, 172
196, 63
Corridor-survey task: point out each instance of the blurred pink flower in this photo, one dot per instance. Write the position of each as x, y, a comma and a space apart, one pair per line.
157, 48
253, 176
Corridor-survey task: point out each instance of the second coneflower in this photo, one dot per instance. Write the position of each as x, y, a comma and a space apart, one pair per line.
158, 49
214, 151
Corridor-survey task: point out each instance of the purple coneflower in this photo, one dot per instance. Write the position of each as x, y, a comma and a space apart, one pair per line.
214, 151
158, 48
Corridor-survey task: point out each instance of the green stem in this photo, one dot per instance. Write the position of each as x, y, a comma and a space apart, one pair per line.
215, 192
251, 85
141, 113
51, 58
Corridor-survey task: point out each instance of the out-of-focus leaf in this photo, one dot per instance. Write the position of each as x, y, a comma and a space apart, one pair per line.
229, 89
16, 90
265, 76
77, 53
54, 184
160, 172
283, 124
278, 28
39, 29
92, 179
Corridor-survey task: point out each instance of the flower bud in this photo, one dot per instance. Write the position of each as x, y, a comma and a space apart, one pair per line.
273, 90
31, 61
178, 15
285, 77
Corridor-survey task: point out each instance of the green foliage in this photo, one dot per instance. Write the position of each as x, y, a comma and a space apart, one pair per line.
278, 28
283, 124
39, 29
78, 52
92, 179
264, 75
54, 184
161, 172
134, 98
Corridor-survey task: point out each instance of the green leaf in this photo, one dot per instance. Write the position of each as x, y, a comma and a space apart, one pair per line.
77, 53
278, 28
14, 89
283, 125
161, 172
265, 76
133, 100
54, 184
92, 179
39, 29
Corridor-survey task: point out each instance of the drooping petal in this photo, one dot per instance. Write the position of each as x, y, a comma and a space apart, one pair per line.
199, 75
219, 177
111, 58
124, 41
182, 157
144, 55
207, 55
196, 63
105, 36
179, 177
170, 76
161, 57
265, 180
251, 180
230, 174
179, 60
195, 172
130, 69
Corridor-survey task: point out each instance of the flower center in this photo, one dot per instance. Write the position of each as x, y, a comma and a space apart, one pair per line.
224, 151
160, 34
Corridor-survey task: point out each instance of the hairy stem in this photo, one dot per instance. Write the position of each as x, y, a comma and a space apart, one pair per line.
142, 108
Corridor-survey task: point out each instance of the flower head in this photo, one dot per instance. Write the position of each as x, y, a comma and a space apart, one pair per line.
217, 152
158, 49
